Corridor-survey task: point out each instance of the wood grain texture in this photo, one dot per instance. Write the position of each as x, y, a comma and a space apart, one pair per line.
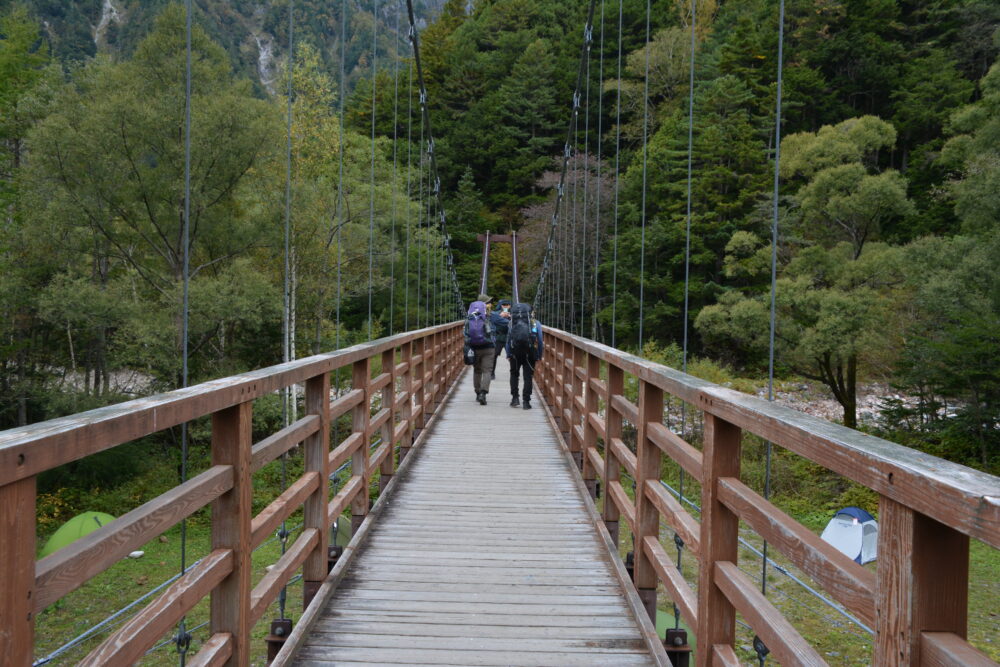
141, 632
346, 403
677, 588
595, 462
723, 655
344, 450
452, 552
647, 464
17, 572
612, 465
270, 585
214, 652
946, 649
275, 445
281, 507
676, 448
345, 497
315, 460
69, 568
846, 581
675, 515
623, 454
621, 500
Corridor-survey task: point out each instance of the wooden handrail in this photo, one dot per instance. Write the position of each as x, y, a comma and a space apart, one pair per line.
27, 587
929, 509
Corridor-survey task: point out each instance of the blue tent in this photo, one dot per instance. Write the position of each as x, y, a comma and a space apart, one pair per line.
854, 532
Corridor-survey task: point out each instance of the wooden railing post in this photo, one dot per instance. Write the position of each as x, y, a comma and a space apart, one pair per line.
719, 539
406, 413
17, 572
417, 378
232, 512
613, 430
922, 582
591, 404
387, 466
575, 413
361, 379
429, 394
315, 450
566, 392
647, 519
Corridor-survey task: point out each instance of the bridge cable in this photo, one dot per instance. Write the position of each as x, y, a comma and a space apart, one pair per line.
415, 41
395, 179
597, 219
774, 273
687, 267
573, 231
586, 192
420, 217
567, 153
645, 156
618, 146
183, 637
485, 267
409, 207
371, 184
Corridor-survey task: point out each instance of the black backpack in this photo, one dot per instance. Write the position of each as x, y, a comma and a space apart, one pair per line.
523, 341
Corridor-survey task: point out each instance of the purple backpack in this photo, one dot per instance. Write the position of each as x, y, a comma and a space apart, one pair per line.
477, 324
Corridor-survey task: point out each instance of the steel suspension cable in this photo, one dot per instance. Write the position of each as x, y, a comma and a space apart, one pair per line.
645, 156
567, 151
371, 184
341, 220
425, 113
573, 230
586, 192
597, 218
183, 639
395, 179
618, 147
409, 207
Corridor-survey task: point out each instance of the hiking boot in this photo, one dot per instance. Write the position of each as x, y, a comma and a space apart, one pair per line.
482, 398
493, 376
527, 404
515, 403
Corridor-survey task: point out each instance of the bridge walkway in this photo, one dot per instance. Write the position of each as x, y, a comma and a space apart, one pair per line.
486, 552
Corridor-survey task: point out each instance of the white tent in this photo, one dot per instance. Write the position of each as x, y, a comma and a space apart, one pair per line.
854, 532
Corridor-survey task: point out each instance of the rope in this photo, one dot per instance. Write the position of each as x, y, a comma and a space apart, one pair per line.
371, 185
415, 41
645, 155
567, 152
618, 146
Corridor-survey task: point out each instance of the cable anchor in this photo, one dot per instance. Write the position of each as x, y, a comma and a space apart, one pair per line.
761, 649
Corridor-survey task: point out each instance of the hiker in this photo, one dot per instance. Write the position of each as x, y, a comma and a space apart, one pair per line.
524, 349
500, 319
479, 338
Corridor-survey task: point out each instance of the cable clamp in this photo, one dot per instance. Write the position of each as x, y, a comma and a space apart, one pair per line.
576, 99
761, 648
442, 218
588, 34
437, 181
183, 638
567, 151
423, 96
678, 541
412, 33
430, 147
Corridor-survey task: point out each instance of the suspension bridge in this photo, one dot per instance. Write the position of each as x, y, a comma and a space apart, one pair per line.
495, 537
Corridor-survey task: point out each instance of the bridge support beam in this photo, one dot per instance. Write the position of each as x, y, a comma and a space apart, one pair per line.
589, 432
612, 466
316, 450
647, 519
361, 379
17, 572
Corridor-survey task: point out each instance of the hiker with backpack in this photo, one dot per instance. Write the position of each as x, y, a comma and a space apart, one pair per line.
524, 349
480, 340
500, 319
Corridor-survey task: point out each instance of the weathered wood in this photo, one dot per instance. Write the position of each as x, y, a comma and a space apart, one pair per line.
784, 641
378, 421
231, 519
346, 403
675, 515
947, 649
719, 538
647, 519
345, 497
345, 450
847, 582
612, 465
677, 588
282, 507
596, 422
922, 582
626, 408
676, 448
379, 456
723, 655
361, 374
17, 572
590, 431
270, 585
623, 454
621, 500
405, 403
316, 462
275, 445
595, 462
141, 632
214, 652
383, 379
29, 450
69, 568
387, 463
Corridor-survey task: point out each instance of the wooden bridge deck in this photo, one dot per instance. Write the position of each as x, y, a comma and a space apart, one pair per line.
485, 553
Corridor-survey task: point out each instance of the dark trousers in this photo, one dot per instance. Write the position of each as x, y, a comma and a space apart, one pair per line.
499, 349
481, 368
519, 365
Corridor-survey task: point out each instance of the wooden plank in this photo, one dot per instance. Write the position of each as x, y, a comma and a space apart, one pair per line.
378, 421
595, 461
598, 385
344, 450
360, 375
29, 450
676, 448
675, 515
723, 655
69, 568
380, 381
315, 460
678, 590
345, 497
377, 457
324, 656
479, 644
623, 454
409, 627
232, 514
626, 408
622, 502
719, 538
846, 581
784, 641
596, 422
647, 519
17, 571
282, 507
215, 652
141, 632
275, 445
612, 462
922, 582
947, 649
270, 585
346, 403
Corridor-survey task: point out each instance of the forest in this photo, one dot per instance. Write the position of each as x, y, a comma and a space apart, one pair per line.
889, 201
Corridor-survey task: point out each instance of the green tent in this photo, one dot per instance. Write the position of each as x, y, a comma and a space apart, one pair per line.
74, 529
